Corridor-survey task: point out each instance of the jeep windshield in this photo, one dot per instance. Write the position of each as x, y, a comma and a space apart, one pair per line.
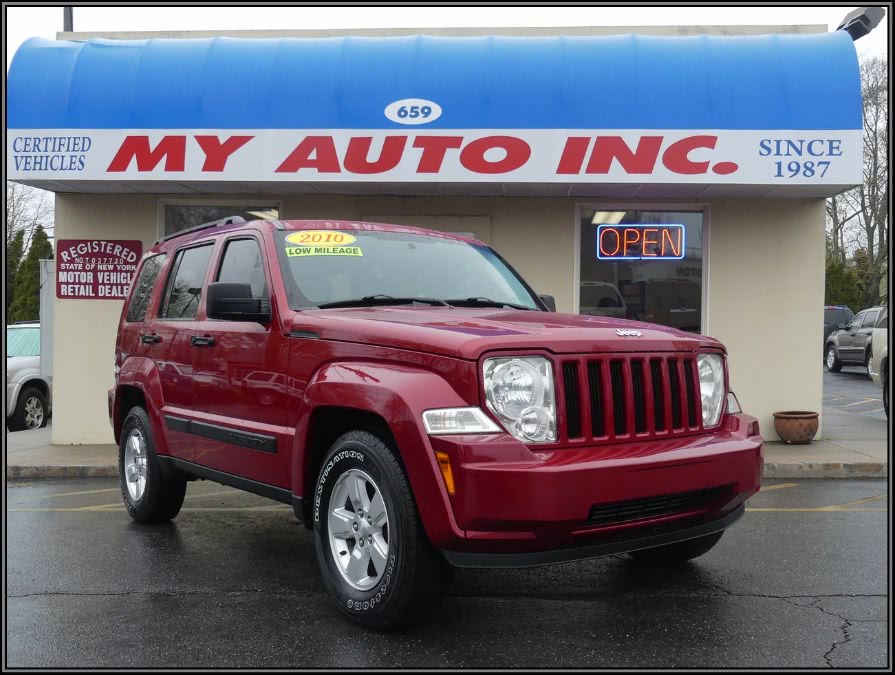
342, 268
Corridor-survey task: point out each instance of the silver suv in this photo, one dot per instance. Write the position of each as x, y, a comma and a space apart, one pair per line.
879, 355
28, 393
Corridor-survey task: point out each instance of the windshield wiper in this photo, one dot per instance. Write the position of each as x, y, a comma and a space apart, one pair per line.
483, 302
381, 299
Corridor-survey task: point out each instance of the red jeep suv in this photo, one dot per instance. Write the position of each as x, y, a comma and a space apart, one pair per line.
420, 407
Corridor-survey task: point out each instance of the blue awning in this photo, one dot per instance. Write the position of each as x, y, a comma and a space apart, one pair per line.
616, 82
612, 116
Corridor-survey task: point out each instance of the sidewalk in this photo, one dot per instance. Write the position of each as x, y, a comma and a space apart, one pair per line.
29, 455
849, 446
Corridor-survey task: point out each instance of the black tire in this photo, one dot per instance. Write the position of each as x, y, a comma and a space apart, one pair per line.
677, 554
164, 491
836, 363
20, 420
867, 357
415, 576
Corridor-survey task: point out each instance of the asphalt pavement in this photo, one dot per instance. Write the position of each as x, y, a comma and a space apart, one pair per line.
800, 581
851, 398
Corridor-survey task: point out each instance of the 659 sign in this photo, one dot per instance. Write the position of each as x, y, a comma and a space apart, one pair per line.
413, 111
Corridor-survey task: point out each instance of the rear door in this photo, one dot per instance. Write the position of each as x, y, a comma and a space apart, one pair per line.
865, 334
168, 342
133, 338
848, 338
246, 424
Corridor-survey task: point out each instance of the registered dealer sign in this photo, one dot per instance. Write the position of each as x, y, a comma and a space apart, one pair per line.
96, 269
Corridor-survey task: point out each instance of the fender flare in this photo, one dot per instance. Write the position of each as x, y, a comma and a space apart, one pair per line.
142, 373
398, 394
27, 378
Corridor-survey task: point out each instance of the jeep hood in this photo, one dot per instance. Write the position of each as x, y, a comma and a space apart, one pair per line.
469, 332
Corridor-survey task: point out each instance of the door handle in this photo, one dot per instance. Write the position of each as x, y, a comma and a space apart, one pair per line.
150, 339
199, 341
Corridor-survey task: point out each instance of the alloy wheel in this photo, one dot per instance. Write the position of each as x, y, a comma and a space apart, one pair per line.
34, 413
358, 529
135, 464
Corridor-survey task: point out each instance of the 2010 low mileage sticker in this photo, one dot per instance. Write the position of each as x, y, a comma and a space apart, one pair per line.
320, 238
322, 242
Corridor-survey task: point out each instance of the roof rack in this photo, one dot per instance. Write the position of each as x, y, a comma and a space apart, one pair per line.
230, 220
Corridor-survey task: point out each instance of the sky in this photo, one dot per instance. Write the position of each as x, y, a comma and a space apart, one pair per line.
25, 22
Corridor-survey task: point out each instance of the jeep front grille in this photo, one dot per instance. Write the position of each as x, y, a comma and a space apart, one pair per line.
625, 396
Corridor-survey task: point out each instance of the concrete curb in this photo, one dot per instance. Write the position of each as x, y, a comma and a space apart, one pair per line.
826, 470
771, 470
59, 471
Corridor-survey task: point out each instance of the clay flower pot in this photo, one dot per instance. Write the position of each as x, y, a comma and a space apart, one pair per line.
795, 426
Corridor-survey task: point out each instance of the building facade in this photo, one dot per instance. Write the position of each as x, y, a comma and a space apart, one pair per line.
676, 178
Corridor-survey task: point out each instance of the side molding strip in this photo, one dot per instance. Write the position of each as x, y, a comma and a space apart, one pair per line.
215, 432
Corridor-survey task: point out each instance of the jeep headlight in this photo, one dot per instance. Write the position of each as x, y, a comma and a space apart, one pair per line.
519, 390
711, 387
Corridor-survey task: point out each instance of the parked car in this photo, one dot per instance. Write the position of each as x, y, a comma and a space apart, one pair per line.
424, 410
850, 346
28, 393
601, 298
670, 302
835, 317
879, 355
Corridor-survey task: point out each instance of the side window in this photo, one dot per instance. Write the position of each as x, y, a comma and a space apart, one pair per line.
869, 319
143, 287
883, 320
185, 282
242, 263
856, 322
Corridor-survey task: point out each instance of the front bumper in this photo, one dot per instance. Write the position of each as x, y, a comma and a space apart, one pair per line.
642, 538
539, 507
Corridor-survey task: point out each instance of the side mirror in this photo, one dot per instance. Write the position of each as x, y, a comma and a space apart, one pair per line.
549, 301
234, 302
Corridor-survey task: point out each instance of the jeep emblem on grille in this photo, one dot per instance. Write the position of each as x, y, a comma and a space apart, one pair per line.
628, 333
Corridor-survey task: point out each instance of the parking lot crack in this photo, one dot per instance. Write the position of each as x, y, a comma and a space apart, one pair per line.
844, 627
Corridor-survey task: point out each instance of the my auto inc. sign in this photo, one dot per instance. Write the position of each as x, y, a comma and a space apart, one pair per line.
95, 269
529, 156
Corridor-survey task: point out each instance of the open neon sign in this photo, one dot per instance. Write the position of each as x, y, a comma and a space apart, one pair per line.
640, 242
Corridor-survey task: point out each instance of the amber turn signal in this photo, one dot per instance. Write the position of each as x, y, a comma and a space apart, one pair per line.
444, 463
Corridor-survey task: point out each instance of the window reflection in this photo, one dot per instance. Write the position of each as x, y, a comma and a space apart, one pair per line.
667, 292
181, 217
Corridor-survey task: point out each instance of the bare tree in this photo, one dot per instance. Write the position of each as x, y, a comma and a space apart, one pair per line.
26, 208
859, 218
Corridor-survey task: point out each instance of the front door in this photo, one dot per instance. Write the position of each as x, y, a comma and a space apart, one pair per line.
167, 343
246, 424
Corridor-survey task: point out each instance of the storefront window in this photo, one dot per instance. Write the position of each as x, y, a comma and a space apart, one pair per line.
643, 265
181, 217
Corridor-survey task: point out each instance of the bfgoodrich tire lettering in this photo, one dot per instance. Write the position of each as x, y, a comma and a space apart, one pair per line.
415, 577
151, 495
